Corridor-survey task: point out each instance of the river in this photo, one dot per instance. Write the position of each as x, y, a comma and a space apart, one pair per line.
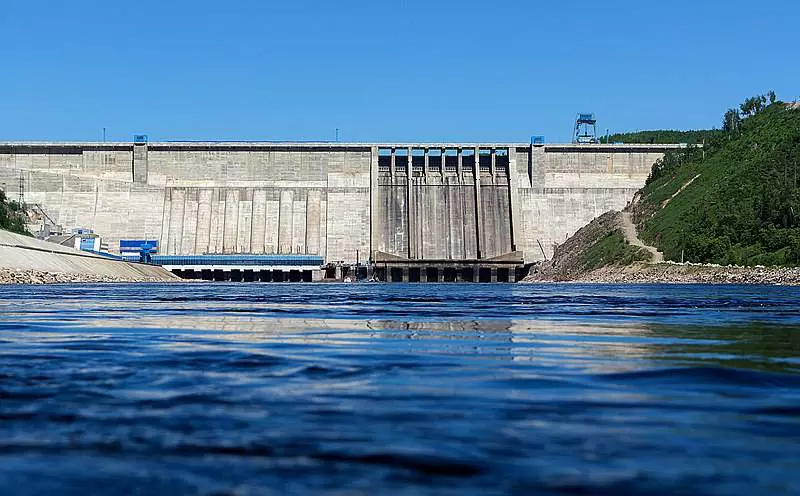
399, 389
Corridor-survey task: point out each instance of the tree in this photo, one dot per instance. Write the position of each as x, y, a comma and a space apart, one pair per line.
753, 105
731, 121
771, 96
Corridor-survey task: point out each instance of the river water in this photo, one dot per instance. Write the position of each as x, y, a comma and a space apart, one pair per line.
399, 389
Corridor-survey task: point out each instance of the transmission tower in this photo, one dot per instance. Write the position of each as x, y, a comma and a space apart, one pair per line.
21, 191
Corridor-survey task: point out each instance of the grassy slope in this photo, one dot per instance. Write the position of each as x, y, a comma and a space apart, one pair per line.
612, 249
597, 244
745, 206
8, 220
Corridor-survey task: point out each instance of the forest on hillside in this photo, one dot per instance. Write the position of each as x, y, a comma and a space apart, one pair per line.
664, 136
735, 200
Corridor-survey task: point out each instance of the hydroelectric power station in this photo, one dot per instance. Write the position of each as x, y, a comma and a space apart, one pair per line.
417, 211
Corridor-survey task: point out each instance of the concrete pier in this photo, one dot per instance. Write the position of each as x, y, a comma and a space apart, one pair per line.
454, 202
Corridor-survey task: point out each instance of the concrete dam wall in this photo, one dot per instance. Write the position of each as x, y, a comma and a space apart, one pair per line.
340, 201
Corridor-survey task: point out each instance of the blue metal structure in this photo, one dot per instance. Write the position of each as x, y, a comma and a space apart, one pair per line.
144, 249
537, 140
87, 244
233, 260
585, 129
135, 245
140, 138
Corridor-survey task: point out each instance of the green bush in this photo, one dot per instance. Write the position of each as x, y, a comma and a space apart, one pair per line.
10, 218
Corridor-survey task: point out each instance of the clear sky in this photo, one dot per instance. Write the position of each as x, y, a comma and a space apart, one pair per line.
393, 70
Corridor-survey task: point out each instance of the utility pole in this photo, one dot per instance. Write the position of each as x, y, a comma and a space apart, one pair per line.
104, 135
337, 134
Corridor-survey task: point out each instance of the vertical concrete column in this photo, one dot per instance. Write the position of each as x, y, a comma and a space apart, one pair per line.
493, 272
190, 212
460, 165
177, 205
163, 242
323, 226
231, 227
405, 274
426, 167
285, 220
313, 207
419, 197
412, 213
217, 221
423, 274
392, 162
538, 166
493, 167
299, 222
244, 233
478, 204
513, 195
139, 163
376, 216
271, 218
259, 221
203, 239
219, 233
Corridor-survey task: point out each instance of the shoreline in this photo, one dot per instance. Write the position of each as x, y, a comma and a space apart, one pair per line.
40, 277
676, 273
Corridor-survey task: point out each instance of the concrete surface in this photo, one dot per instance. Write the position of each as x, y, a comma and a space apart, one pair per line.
20, 253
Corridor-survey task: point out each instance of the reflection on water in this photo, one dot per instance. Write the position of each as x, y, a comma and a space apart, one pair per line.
397, 388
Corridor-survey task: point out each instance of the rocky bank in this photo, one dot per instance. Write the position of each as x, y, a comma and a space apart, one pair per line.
10, 276
676, 273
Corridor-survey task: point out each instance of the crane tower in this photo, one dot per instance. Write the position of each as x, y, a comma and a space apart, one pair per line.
585, 129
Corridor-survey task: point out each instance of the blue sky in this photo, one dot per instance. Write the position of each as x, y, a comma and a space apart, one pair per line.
394, 70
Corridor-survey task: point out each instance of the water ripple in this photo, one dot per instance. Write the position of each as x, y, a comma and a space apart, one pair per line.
378, 389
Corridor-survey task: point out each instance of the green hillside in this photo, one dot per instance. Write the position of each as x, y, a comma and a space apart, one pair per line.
740, 202
9, 218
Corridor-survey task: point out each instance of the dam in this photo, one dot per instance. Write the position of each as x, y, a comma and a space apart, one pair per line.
416, 210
